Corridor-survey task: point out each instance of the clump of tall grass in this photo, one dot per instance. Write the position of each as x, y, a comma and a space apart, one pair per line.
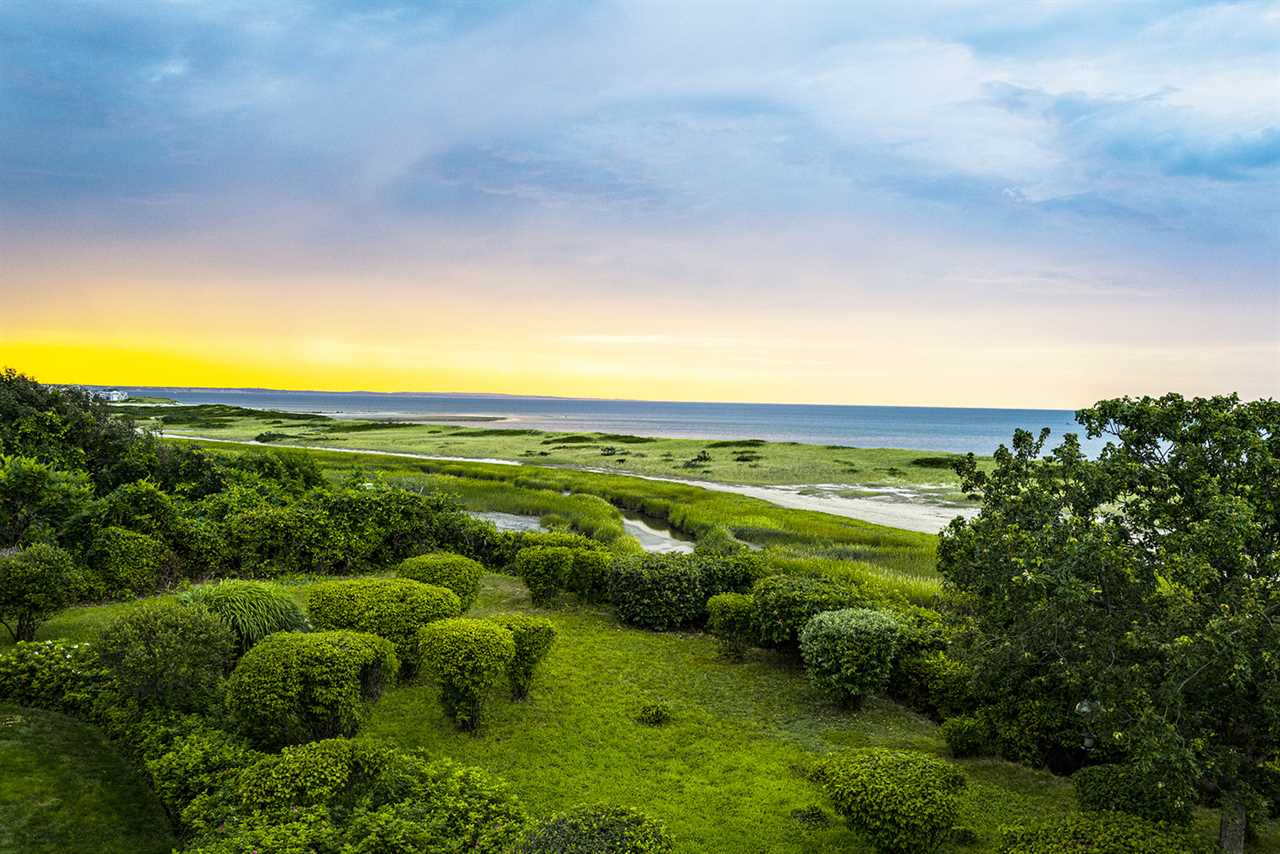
252, 609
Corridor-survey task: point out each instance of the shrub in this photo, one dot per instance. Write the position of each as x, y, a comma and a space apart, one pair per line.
391, 608
1101, 833
597, 829
932, 682
732, 572
849, 653
253, 609
57, 675
197, 765
533, 637
127, 564
966, 736
444, 569
293, 687
731, 617
901, 801
467, 657
545, 570
718, 540
784, 603
1148, 794
169, 655
35, 583
658, 591
589, 574
654, 714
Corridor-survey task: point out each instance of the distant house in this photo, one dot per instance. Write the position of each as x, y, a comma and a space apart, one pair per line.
111, 395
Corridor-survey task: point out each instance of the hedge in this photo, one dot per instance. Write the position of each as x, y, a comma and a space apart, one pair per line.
1101, 833
784, 603
731, 618
56, 674
545, 570
849, 653
658, 591
900, 800
533, 637
457, 572
391, 608
294, 687
467, 657
597, 829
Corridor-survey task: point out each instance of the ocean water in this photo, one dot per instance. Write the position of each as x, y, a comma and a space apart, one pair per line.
918, 427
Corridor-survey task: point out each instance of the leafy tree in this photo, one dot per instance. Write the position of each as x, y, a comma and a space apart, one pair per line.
35, 583
1146, 582
38, 502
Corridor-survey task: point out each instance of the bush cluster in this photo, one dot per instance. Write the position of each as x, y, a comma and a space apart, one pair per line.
966, 736
467, 658
932, 682
659, 591
56, 674
785, 603
296, 687
731, 618
849, 653
1146, 793
1101, 833
252, 609
456, 572
127, 564
597, 829
532, 637
391, 608
901, 801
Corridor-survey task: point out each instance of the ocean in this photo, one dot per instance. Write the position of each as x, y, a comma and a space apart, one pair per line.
926, 428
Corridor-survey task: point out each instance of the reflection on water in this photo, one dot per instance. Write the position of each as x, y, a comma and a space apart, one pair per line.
508, 521
653, 535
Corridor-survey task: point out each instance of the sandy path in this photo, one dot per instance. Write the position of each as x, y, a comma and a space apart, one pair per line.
896, 511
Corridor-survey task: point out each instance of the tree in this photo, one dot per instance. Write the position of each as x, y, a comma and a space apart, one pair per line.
37, 501
34, 583
1146, 582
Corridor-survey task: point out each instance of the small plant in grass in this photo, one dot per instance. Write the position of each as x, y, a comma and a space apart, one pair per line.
457, 572
544, 570
901, 801
253, 609
533, 637
811, 816
391, 608
731, 618
849, 653
654, 714
467, 658
597, 829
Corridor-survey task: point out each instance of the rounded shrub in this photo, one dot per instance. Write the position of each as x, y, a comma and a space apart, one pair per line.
35, 583
731, 618
391, 608
168, 655
849, 653
253, 609
732, 572
589, 574
467, 658
597, 829
533, 637
784, 603
294, 687
658, 591
966, 736
1151, 793
127, 564
457, 572
901, 801
1102, 833
545, 570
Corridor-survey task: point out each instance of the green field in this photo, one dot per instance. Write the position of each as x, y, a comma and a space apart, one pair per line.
745, 461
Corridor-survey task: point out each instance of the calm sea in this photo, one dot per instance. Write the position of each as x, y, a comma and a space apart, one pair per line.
918, 427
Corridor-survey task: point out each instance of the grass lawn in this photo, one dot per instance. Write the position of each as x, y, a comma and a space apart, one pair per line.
65, 790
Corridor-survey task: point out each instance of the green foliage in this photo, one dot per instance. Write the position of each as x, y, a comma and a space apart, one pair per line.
457, 572
168, 655
1101, 833
589, 574
197, 766
784, 604
141, 507
719, 540
126, 563
533, 637
731, 617
966, 736
57, 675
597, 829
35, 583
849, 653
545, 570
658, 591
901, 801
1147, 792
654, 714
293, 687
391, 608
1144, 580
730, 572
253, 609
932, 682
467, 658
39, 503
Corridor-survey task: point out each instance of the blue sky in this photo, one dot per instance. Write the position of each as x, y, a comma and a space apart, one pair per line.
1046, 177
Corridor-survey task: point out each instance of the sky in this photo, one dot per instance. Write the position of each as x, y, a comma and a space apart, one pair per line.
934, 203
